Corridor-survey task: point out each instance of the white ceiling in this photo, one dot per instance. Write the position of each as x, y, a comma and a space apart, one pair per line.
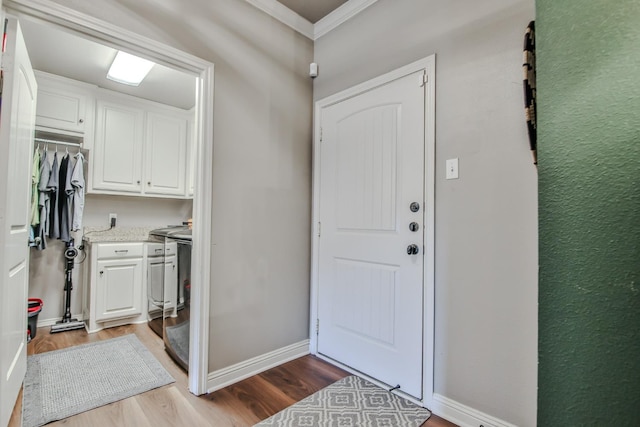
65, 54
313, 10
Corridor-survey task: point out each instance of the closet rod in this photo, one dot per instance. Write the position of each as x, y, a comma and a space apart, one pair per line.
53, 141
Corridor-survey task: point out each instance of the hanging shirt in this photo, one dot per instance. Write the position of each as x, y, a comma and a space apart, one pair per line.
52, 187
77, 181
65, 197
35, 180
43, 200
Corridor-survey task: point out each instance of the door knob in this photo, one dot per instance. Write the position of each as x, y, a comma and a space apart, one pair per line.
412, 249
414, 206
414, 227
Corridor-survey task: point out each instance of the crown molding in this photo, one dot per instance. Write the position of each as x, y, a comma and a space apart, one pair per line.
288, 17
342, 14
285, 15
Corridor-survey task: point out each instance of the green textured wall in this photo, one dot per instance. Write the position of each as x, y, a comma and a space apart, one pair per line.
588, 56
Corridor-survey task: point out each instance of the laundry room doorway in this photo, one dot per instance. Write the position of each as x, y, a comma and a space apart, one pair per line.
54, 15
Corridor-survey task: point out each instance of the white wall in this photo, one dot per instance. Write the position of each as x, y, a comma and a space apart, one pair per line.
261, 164
46, 268
135, 211
486, 221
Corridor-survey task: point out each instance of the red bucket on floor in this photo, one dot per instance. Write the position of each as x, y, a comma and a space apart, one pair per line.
34, 308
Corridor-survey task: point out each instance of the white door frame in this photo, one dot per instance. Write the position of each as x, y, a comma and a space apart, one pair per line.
427, 64
95, 29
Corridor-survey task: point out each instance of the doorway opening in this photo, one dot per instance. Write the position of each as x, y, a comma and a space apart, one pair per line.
89, 28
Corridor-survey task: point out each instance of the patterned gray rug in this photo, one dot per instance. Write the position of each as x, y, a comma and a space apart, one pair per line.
66, 382
350, 402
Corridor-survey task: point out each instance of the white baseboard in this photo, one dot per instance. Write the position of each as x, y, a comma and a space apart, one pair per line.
232, 374
463, 415
43, 323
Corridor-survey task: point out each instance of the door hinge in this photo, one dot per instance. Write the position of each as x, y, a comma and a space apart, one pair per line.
320, 134
317, 326
423, 79
319, 228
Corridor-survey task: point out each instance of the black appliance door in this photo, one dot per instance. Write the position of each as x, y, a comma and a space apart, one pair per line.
177, 301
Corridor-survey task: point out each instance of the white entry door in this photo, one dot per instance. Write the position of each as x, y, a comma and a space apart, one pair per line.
370, 280
17, 118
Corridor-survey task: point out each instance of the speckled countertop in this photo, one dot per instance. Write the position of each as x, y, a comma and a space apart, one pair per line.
116, 234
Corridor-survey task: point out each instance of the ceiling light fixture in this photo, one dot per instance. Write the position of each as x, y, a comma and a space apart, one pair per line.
129, 69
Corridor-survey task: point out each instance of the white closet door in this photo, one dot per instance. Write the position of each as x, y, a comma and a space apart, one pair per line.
17, 123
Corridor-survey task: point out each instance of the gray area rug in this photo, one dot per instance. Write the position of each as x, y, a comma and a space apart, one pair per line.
350, 402
66, 382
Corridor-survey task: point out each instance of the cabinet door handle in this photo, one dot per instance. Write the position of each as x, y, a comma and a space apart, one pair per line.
138, 181
122, 251
101, 273
158, 251
148, 182
81, 121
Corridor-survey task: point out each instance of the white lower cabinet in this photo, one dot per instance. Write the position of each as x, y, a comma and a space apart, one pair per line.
130, 282
116, 287
162, 278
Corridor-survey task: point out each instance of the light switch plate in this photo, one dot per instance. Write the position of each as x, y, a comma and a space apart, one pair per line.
452, 168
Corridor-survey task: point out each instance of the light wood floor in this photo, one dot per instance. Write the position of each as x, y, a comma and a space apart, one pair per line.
242, 404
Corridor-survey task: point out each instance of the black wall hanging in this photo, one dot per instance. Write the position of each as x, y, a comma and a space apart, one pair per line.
529, 69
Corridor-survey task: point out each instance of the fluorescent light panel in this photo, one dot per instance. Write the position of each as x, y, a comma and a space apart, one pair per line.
129, 69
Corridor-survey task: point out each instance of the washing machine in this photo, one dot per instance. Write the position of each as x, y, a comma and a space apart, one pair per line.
169, 289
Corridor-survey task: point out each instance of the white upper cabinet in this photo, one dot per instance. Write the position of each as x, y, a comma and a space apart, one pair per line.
140, 148
117, 159
166, 154
64, 104
136, 147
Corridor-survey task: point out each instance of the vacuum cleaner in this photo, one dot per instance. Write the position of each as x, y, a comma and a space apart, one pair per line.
67, 323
